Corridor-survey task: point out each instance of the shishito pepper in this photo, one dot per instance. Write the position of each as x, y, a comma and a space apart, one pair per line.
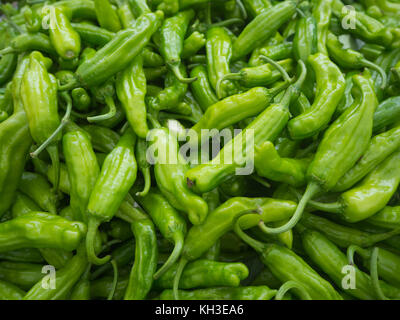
107, 16
201, 88
170, 168
173, 33
118, 174
39, 97
116, 55
63, 37
131, 91
8, 291
342, 145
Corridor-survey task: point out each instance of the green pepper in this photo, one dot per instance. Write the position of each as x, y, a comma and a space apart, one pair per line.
330, 88
91, 34
201, 88
83, 170
388, 217
170, 223
107, 16
173, 33
322, 12
81, 290
39, 190
118, 174
347, 99
27, 42
255, 7
262, 27
22, 205
386, 113
380, 147
204, 274
331, 260
81, 99
40, 230
39, 96
169, 169
219, 54
240, 293
371, 195
342, 145
8, 291
80, 9
24, 275
66, 278
131, 91
103, 139
350, 59
28, 255
139, 7
141, 277
144, 166
278, 51
270, 165
288, 266
267, 126
116, 55
192, 44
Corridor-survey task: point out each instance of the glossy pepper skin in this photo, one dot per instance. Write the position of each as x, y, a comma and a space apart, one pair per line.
288, 266
173, 33
24, 275
170, 223
219, 55
118, 174
305, 41
373, 193
389, 217
91, 34
367, 28
8, 291
141, 277
38, 189
255, 7
240, 293
107, 16
201, 88
103, 139
276, 52
63, 37
350, 59
40, 230
170, 175
15, 142
386, 113
27, 42
80, 9
22, 205
205, 274
120, 51
66, 278
83, 170
262, 27
380, 147
192, 44
144, 166
131, 91
330, 88
322, 13
331, 260
270, 165
341, 235
39, 97
8, 64
266, 126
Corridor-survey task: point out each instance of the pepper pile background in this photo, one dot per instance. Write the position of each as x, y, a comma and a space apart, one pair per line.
88, 86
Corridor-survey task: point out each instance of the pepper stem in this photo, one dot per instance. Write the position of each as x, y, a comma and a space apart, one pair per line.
181, 266
334, 207
374, 238
147, 182
311, 191
178, 74
172, 258
375, 276
277, 66
90, 239
289, 285
229, 76
377, 68
242, 9
69, 85
110, 114
115, 280
255, 244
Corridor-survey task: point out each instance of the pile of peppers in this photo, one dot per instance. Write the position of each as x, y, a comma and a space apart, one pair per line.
309, 91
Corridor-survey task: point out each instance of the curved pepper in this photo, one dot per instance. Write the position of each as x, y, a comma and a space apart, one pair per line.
116, 55
141, 277
330, 88
170, 168
23, 205
83, 170
342, 145
173, 33
262, 27
380, 147
107, 16
91, 34
40, 230
389, 217
131, 91
170, 223
201, 88
117, 176
288, 266
27, 42
24, 275
386, 113
270, 165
